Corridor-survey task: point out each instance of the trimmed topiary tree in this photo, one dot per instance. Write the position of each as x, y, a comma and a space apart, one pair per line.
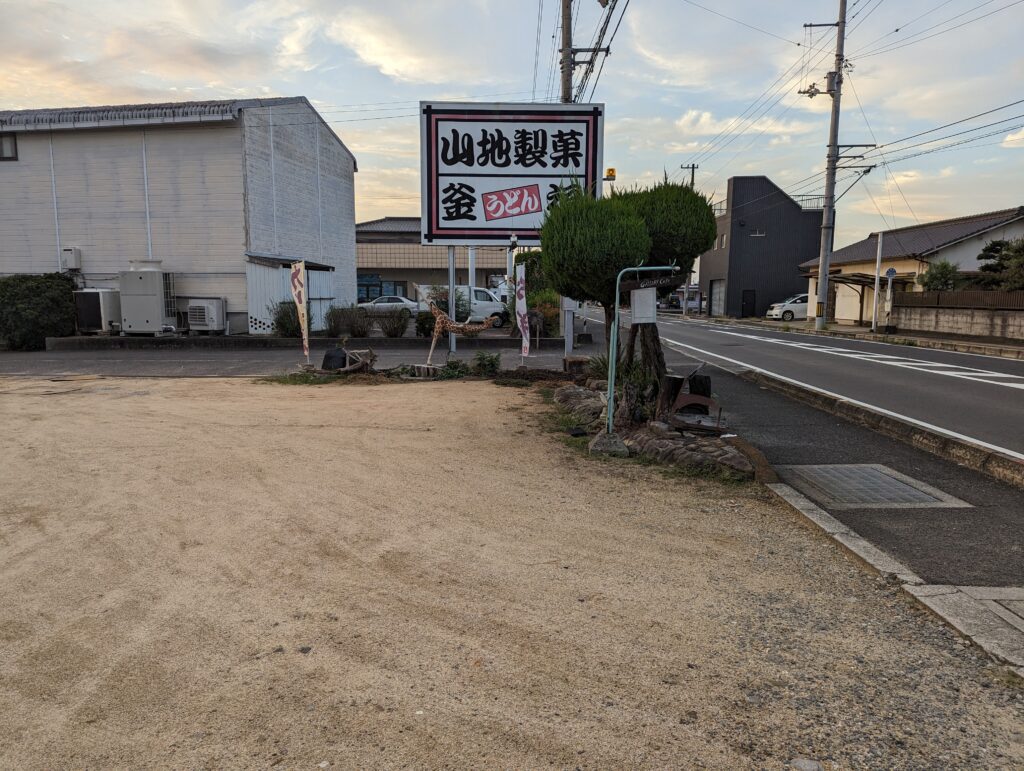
682, 226
33, 308
586, 242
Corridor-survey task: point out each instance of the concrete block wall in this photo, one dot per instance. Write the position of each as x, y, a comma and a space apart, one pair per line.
961, 321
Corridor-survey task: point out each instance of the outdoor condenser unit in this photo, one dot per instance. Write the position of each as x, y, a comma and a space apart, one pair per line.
206, 314
147, 300
97, 310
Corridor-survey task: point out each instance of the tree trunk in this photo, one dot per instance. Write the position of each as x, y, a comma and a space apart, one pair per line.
631, 345
652, 357
609, 320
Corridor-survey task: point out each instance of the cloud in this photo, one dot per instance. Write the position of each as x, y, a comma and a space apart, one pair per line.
1015, 140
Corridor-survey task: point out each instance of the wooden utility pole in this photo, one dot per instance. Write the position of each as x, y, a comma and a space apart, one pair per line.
834, 87
567, 62
693, 171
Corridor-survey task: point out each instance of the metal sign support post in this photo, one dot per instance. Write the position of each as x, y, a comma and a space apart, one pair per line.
452, 313
613, 350
878, 279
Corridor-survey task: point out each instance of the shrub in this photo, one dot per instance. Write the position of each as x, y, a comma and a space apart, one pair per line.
541, 297
285, 317
33, 308
439, 294
453, 370
486, 364
940, 276
393, 323
336, 321
425, 324
551, 315
360, 323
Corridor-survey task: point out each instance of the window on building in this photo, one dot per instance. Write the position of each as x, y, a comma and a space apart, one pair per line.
757, 233
8, 147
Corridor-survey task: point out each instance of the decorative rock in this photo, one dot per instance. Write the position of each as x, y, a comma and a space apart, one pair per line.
575, 365
608, 444
803, 764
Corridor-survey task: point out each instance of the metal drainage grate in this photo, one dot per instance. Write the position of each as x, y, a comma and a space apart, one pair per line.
865, 486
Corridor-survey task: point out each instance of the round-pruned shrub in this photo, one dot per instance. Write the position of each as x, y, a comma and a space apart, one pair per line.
33, 308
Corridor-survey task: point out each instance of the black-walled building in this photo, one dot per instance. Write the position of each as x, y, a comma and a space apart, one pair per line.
763, 237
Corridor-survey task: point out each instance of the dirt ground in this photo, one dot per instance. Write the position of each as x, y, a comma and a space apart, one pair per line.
226, 574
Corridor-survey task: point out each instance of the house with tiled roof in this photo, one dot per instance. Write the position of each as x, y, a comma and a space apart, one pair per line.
909, 251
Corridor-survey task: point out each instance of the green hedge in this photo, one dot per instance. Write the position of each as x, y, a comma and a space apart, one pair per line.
33, 308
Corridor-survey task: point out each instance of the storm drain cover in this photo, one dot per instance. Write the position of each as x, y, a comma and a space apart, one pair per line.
865, 486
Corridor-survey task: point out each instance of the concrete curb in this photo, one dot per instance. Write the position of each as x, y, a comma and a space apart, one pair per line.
956, 346
244, 342
994, 464
999, 638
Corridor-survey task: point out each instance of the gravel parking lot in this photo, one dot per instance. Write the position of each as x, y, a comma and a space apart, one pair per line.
231, 574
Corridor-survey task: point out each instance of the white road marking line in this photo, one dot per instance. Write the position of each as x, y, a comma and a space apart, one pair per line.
918, 365
882, 410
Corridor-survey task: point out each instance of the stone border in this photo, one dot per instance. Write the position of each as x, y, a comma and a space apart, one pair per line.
958, 606
995, 464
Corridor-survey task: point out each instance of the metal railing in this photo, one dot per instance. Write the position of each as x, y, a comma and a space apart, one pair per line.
984, 299
810, 201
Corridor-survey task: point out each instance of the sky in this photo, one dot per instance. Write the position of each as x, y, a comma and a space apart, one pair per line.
682, 84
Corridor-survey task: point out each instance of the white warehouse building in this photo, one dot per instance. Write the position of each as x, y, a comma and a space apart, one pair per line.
225, 194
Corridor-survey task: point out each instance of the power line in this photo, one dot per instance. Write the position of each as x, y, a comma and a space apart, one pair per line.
615, 31
953, 123
743, 23
906, 24
885, 50
536, 47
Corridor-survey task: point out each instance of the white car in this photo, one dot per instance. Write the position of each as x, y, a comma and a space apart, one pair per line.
386, 303
787, 310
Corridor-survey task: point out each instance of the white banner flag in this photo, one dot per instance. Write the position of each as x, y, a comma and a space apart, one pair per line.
521, 318
298, 284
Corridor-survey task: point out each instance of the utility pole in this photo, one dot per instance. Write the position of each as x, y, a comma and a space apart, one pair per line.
693, 170
567, 56
834, 87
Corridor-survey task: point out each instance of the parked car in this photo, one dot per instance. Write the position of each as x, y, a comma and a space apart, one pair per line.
484, 304
787, 310
386, 303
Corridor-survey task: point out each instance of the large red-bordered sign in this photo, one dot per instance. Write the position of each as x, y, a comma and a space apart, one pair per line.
490, 171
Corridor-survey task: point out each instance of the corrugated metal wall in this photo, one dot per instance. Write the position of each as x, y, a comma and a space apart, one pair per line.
269, 285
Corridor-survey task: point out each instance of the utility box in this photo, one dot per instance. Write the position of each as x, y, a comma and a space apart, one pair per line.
147, 302
71, 258
97, 310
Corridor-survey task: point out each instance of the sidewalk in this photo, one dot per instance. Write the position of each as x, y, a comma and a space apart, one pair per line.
960, 344
949, 536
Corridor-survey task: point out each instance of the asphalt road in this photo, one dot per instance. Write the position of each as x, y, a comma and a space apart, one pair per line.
980, 398
980, 545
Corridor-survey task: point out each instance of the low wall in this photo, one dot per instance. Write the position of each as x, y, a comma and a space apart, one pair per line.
975, 322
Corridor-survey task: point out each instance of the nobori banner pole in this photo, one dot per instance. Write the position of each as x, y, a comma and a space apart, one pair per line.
878, 281
613, 350
452, 305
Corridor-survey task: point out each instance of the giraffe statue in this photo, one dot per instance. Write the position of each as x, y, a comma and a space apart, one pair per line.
442, 324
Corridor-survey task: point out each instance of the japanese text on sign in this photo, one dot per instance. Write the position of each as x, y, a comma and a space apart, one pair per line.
491, 171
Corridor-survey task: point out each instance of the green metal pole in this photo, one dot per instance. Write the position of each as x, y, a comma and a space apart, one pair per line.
613, 352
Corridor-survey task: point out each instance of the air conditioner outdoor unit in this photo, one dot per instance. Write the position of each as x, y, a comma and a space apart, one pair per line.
97, 310
206, 315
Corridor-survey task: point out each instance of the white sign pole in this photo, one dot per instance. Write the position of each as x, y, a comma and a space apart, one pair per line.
452, 313
522, 319
471, 279
878, 279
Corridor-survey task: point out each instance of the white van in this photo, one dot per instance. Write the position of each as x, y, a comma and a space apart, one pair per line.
483, 303
787, 310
